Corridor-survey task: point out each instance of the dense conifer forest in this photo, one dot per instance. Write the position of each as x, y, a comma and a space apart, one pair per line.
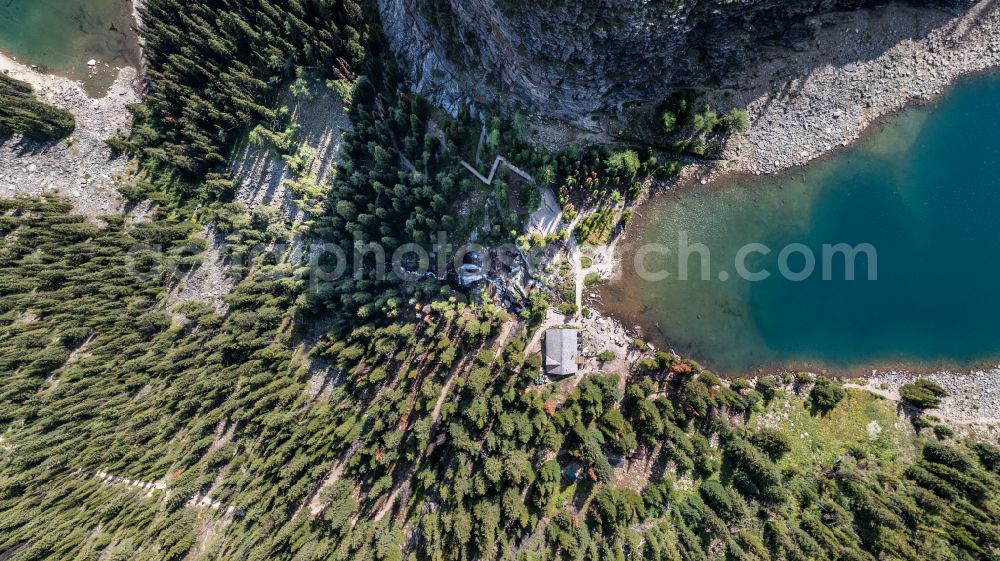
22, 113
215, 66
385, 419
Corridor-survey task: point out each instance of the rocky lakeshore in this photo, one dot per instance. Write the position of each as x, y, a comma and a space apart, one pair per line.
809, 99
972, 406
824, 93
858, 67
81, 167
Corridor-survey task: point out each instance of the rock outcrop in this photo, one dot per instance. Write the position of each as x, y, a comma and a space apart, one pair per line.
572, 58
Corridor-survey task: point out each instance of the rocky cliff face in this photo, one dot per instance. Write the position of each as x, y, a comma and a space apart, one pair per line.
571, 58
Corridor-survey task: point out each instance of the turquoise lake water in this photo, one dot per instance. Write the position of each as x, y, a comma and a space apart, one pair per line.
60, 36
923, 190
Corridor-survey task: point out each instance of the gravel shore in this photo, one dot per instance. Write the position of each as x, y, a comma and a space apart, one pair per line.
821, 94
972, 407
80, 167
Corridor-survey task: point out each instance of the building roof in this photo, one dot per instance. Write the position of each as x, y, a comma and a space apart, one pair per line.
561, 351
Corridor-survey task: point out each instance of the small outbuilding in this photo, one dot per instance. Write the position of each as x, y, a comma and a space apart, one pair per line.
561, 352
471, 272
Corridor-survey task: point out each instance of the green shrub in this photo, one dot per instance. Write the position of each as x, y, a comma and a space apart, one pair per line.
825, 395
736, 121
709, 378
768, 387
624, 164
669, 120
707, 120
530, 199
943, 432
567, 309
988, 454
920, 423
923, 394
739, 385
649, 364
773, 442
606, 356
534, 362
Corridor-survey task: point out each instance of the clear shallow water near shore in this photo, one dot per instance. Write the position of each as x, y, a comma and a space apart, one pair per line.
60, 36
923, 190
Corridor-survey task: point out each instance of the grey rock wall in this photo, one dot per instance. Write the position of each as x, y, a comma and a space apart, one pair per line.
571, 58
